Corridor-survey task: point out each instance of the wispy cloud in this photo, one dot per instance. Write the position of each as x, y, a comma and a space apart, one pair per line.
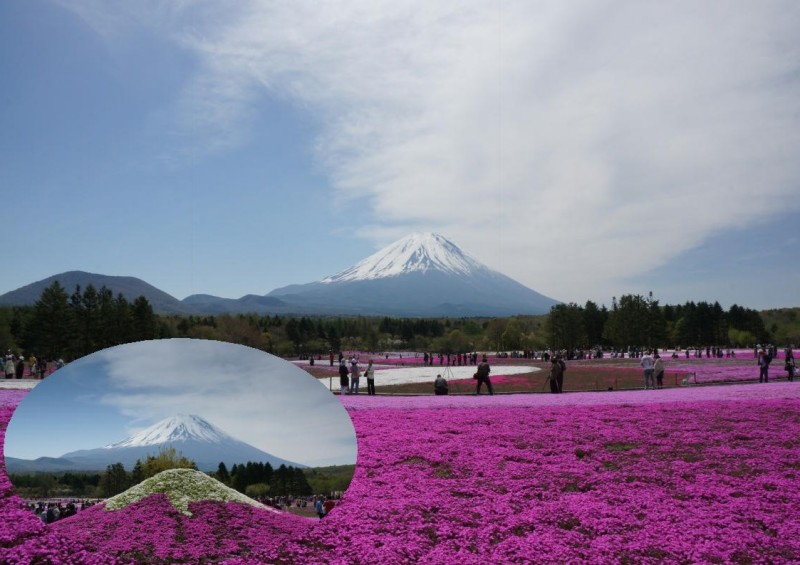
569, 145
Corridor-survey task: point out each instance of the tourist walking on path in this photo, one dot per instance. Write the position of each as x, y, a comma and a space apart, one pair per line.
369, 372
343, 380
658, 369
647, 364
483, 376
763, 366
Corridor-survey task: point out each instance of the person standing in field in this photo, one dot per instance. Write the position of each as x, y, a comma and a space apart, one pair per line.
789, 366
658, 369
556, 376
763, 366
369, 372
355, 375
647, 364
483, 376
343, 380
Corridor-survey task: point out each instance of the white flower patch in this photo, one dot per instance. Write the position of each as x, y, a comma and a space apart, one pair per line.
182, 486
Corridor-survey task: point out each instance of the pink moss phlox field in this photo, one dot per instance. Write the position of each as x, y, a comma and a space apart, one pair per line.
696, 474
679, 482
752, 391
152, 530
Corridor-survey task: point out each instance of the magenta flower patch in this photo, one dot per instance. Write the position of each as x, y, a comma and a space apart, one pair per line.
700, 474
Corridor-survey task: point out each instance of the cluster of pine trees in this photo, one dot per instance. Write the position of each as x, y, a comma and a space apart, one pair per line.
69, 326
640, 321
258, 480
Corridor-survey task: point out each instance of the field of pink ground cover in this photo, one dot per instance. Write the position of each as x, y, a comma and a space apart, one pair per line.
703, 474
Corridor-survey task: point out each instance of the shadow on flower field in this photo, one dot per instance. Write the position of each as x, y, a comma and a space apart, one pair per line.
686, 475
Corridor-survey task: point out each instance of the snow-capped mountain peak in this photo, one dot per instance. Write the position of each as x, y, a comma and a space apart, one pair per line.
179, 428
416, 252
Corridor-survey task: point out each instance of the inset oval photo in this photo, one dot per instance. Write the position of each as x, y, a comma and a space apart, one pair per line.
183, 423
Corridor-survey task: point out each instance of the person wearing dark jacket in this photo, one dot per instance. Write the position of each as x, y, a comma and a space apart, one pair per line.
440, 386
343, 380
557, 374
483, 376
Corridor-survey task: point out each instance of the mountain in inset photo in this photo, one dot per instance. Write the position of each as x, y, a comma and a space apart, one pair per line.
190, 435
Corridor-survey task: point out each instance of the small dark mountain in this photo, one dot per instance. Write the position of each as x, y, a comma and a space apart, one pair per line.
130, 287
40, 465
250, 303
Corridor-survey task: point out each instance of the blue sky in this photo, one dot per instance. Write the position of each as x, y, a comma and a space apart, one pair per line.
586, 149
255, 397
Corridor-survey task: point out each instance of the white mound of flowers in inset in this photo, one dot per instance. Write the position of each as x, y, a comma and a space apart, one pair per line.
182, 486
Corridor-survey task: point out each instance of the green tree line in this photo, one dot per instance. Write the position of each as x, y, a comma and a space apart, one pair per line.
255, 479
640, 321
73, 325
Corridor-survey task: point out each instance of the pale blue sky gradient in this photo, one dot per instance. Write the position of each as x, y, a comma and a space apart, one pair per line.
585, 149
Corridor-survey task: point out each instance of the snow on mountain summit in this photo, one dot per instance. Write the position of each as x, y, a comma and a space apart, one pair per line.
416, 252
181, 427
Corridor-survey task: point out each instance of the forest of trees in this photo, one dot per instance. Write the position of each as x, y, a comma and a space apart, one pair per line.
639, 321
261, 480
87, 320
253, 479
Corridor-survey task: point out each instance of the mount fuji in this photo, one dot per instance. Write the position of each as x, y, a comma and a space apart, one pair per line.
191, 435
423, 274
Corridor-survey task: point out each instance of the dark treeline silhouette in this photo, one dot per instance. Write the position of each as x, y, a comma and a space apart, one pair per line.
639, 321
259, 480
60, 325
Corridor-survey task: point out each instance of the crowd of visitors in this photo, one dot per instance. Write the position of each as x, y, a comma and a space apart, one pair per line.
50, 511
17, 367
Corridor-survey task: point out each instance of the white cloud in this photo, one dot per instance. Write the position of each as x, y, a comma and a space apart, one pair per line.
569, 145
255, 397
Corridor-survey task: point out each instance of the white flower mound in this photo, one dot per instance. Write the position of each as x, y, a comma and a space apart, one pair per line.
404, 375
182, 486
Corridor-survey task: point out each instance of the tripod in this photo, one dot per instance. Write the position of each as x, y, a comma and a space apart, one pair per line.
546, 382
447, 375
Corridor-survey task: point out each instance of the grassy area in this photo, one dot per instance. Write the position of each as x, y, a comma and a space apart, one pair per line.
324, 480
